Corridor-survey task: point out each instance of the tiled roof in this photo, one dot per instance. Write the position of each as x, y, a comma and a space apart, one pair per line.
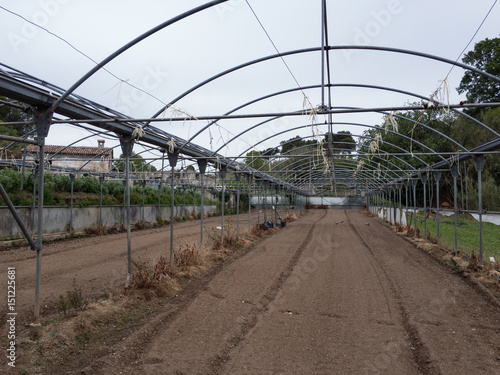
72, 150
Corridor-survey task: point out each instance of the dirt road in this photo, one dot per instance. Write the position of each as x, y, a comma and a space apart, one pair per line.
94, 264
326, 295
323, 298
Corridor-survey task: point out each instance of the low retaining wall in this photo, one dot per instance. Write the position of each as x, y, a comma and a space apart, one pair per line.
57, 219
395, 215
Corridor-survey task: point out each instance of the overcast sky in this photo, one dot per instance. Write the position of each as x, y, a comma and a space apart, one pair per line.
194, 49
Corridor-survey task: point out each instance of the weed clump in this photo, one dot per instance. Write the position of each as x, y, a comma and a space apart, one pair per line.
188, 256
72, 301
473, 262
99, 230
157, 278
431, 238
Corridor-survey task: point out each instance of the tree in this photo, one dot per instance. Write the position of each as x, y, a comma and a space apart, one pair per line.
253, 160
294, 143
9, 113
485, 56
137, 164
343, 142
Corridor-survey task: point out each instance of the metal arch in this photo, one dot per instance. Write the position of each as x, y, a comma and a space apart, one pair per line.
359, 136
357, 155
346, 174
386, 170
328, 48
137, 153
129, 45
37, 96
96, 156
383, 112
346, 123
343, 160
376, 87
389, 174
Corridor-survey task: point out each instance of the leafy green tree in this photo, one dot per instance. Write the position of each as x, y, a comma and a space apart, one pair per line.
12, 114
343, 142
254, 161
137, 164
485, 56
294, 143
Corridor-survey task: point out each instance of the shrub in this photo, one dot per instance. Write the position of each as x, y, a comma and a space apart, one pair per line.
10, 179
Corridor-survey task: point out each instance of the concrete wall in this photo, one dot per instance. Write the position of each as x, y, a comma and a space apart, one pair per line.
57, 219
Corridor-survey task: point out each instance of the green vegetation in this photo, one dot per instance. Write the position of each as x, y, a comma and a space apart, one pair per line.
86, 189
467, 233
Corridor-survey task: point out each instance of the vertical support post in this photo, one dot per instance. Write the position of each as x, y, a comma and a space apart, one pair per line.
127, 145
124, 211
160, 185
407, 184
173, 156
42, 123
35, 175
479, 161
414, 183
424, 177
400, 205
466, 188
143, 199
237, 176
437, 177
266, 184
249, 176
202, 166
72, 179
101, 182
462, 189
259, 184
222, 174
454, 173
23, 166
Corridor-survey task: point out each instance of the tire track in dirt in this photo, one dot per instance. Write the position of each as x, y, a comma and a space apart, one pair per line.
420, 352
215, 365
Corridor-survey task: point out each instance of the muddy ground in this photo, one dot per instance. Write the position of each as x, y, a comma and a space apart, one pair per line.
328, 294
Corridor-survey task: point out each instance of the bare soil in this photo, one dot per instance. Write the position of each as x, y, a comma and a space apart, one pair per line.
328, 294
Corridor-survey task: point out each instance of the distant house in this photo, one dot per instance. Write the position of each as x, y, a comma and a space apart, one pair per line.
74, 157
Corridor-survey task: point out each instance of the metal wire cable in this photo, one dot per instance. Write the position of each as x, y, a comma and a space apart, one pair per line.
470, 41
82, 53
274, 45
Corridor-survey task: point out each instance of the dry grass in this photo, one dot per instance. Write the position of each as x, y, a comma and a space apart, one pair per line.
411, 231
189, 261
158, 278
473, 262
291, 217
400, 228
230, 240
259, 230
99, 230
431, 238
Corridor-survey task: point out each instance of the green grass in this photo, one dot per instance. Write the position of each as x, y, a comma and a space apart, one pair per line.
467, 233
